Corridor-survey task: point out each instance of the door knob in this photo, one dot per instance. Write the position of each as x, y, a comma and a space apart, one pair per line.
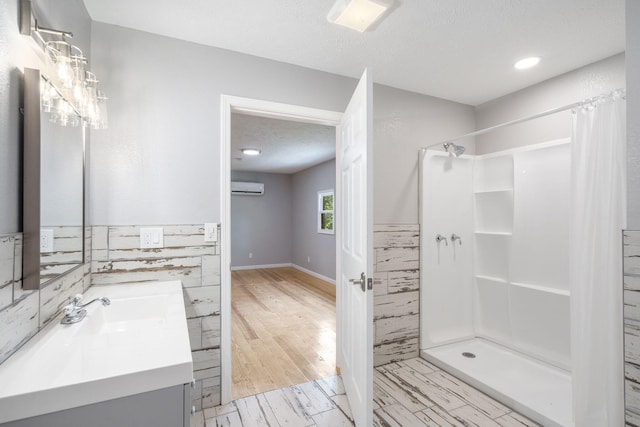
361, 281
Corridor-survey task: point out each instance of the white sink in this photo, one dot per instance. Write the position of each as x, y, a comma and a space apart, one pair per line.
139, 343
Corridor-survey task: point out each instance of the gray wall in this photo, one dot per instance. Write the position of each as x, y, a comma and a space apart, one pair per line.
261, 225
307, 242
403, 123
158, 163
585, 82
633, 113
280, 227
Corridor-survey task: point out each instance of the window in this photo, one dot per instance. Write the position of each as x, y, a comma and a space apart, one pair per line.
325, 212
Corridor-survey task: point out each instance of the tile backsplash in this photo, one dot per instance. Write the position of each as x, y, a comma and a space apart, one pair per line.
118, 258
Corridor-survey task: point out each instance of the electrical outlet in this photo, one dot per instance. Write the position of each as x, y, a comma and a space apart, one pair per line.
250, 255
151, 237
308, 259
210, 232
46, 240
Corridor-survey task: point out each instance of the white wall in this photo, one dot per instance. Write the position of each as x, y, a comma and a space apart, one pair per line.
307, 242
585, 82
262, 225
633, 114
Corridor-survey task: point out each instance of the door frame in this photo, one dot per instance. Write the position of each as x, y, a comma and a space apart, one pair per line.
261, 108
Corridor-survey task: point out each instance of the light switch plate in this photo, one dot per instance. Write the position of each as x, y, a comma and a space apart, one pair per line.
210, 231
46, 240
151, 237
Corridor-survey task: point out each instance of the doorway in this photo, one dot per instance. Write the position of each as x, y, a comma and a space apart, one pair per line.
283, 253
264, 109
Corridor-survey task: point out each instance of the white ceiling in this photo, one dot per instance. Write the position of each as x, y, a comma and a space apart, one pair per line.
462, 50
287, 146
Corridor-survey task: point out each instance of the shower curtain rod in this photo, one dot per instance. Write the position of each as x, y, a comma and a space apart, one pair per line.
509, 123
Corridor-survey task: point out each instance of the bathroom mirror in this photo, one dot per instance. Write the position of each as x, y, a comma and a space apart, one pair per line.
53, 186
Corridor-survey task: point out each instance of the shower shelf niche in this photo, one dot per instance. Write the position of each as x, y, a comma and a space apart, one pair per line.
494, 211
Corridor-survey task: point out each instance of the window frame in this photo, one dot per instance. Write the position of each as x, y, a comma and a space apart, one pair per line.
321, 195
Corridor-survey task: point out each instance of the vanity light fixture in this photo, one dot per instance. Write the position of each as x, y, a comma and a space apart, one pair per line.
526, 63
358, 14
251, 151
71, 89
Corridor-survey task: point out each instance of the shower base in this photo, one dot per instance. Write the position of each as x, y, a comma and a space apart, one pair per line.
536, 390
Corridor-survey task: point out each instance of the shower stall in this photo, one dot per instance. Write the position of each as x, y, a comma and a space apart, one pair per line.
495, 296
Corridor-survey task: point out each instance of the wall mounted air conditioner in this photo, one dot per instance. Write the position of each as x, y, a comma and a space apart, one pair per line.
247, 188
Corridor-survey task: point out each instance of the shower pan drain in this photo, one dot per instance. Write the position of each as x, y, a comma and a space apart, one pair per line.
469, 355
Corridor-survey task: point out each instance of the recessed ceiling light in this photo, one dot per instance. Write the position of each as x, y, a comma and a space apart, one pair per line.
358, 14
251, 151
525, 63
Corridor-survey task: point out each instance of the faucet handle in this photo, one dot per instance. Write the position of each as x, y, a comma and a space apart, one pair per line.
68, 309
77, 298
440, 238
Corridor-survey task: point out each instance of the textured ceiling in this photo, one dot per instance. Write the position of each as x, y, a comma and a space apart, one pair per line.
462, 50
287, 147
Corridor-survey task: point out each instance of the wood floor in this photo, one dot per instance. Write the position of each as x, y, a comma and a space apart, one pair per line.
411, 393
283, 330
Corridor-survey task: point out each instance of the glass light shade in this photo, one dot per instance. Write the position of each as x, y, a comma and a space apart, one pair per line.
71, 89
58, 58
76, 92
102, 110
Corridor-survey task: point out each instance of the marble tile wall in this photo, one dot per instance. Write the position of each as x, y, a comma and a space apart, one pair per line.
631, 241
24, 313
117, 258
396, 312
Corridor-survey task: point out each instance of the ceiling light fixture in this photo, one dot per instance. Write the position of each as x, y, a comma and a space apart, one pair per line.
358, 14
251, 151
525, 63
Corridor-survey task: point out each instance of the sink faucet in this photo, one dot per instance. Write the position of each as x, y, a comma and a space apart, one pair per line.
75, 312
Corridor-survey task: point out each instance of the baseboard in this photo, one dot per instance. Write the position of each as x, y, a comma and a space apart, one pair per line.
314, 274
255, 267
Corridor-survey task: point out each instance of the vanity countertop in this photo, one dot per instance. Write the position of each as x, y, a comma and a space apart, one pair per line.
137, 344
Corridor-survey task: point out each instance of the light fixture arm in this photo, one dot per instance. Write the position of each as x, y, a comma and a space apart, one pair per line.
29, 23
38, 29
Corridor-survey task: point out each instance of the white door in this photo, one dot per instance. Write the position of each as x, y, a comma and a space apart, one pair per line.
355, 252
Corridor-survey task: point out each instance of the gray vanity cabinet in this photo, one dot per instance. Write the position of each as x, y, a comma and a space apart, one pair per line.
167, 407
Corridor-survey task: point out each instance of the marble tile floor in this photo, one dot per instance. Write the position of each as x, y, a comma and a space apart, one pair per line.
411, 393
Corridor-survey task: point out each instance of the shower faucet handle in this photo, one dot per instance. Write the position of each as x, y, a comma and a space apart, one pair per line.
455, 237
440, 238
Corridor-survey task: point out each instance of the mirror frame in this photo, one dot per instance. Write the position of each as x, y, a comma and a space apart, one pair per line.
31, 174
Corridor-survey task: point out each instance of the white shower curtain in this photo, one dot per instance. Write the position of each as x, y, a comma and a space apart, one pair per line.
598, 216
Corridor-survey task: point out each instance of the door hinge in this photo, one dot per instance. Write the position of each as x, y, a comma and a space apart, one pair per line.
370, 283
